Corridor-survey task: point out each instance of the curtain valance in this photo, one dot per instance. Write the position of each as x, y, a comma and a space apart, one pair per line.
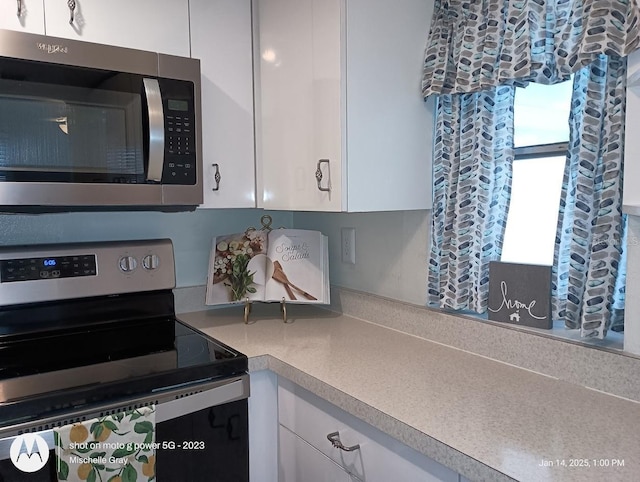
478, 44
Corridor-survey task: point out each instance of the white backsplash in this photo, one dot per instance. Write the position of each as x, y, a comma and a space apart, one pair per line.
632, 300
391, 247
391, 251
191, 232
392, 259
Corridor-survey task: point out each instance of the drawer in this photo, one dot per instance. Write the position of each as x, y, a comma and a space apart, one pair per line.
313, 423
380, 458
305, 462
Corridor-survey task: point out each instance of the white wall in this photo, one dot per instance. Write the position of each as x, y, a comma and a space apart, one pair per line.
632, 300
191, 232
631, 199
391, 251
391, 247
392, 258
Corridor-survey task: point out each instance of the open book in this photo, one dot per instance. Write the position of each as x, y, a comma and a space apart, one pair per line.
289, 264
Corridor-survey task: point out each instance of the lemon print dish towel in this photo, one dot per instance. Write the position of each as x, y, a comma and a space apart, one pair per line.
116, 448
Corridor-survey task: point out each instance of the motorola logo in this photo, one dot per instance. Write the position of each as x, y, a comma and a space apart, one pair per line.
29, 452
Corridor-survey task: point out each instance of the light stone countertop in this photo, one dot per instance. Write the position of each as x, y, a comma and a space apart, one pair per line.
484, 419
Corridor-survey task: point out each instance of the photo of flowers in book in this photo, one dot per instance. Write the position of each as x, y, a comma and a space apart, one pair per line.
261, 265
233, 254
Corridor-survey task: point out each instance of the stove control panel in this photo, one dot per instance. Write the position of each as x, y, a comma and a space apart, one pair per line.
51, 272
50, 267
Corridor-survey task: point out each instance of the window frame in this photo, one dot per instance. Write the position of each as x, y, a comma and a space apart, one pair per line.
540, 151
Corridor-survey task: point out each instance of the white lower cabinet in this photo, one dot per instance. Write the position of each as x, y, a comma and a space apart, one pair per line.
288, 429
305, 422
301, 461
263, 427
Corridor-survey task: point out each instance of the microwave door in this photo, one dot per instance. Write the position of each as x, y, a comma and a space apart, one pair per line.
70, 134
74, 137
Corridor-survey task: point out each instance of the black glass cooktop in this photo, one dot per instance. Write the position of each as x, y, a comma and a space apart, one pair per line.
55, 357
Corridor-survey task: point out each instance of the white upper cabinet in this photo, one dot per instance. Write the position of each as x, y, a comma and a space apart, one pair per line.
341, 123
300, 103
30, 18
155, 25
221, 37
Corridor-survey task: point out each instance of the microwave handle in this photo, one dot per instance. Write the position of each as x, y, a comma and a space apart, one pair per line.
156, 129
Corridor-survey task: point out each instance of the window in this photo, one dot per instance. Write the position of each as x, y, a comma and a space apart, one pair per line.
541, 135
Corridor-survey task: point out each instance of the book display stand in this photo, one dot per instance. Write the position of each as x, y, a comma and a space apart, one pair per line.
266, 222
247, 310
285, 266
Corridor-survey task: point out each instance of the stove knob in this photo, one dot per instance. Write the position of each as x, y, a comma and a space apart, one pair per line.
151, 261
128, 263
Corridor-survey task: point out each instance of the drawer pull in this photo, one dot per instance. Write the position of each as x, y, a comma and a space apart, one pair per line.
334, 438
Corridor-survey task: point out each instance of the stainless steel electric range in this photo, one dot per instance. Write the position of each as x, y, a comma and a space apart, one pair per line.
90, 329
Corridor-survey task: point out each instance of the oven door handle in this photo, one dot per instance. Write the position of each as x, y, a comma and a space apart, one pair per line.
229, 392
172, 404
155, 112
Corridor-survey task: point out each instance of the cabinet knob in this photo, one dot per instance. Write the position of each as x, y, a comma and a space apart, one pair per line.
319, 175
334, 438
19, 8
216, 177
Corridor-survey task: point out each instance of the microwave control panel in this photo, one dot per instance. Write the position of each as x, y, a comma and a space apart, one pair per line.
180, 133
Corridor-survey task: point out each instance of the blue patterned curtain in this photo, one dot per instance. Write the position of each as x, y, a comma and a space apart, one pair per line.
589, 261
480, 44
472, 186
476, 49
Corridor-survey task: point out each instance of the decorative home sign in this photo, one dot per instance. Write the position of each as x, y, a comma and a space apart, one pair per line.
520, 294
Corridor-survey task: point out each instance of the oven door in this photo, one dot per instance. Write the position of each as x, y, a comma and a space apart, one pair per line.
202, 433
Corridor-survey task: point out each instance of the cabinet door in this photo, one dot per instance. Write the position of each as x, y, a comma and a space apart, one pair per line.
263, 427
300, 120
156, 25
300, 461
31, 18
389, 126
221, 38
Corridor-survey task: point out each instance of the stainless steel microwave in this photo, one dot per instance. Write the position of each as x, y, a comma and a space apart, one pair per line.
89, 126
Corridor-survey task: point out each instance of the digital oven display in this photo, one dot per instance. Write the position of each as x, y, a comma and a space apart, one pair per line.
51, 267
